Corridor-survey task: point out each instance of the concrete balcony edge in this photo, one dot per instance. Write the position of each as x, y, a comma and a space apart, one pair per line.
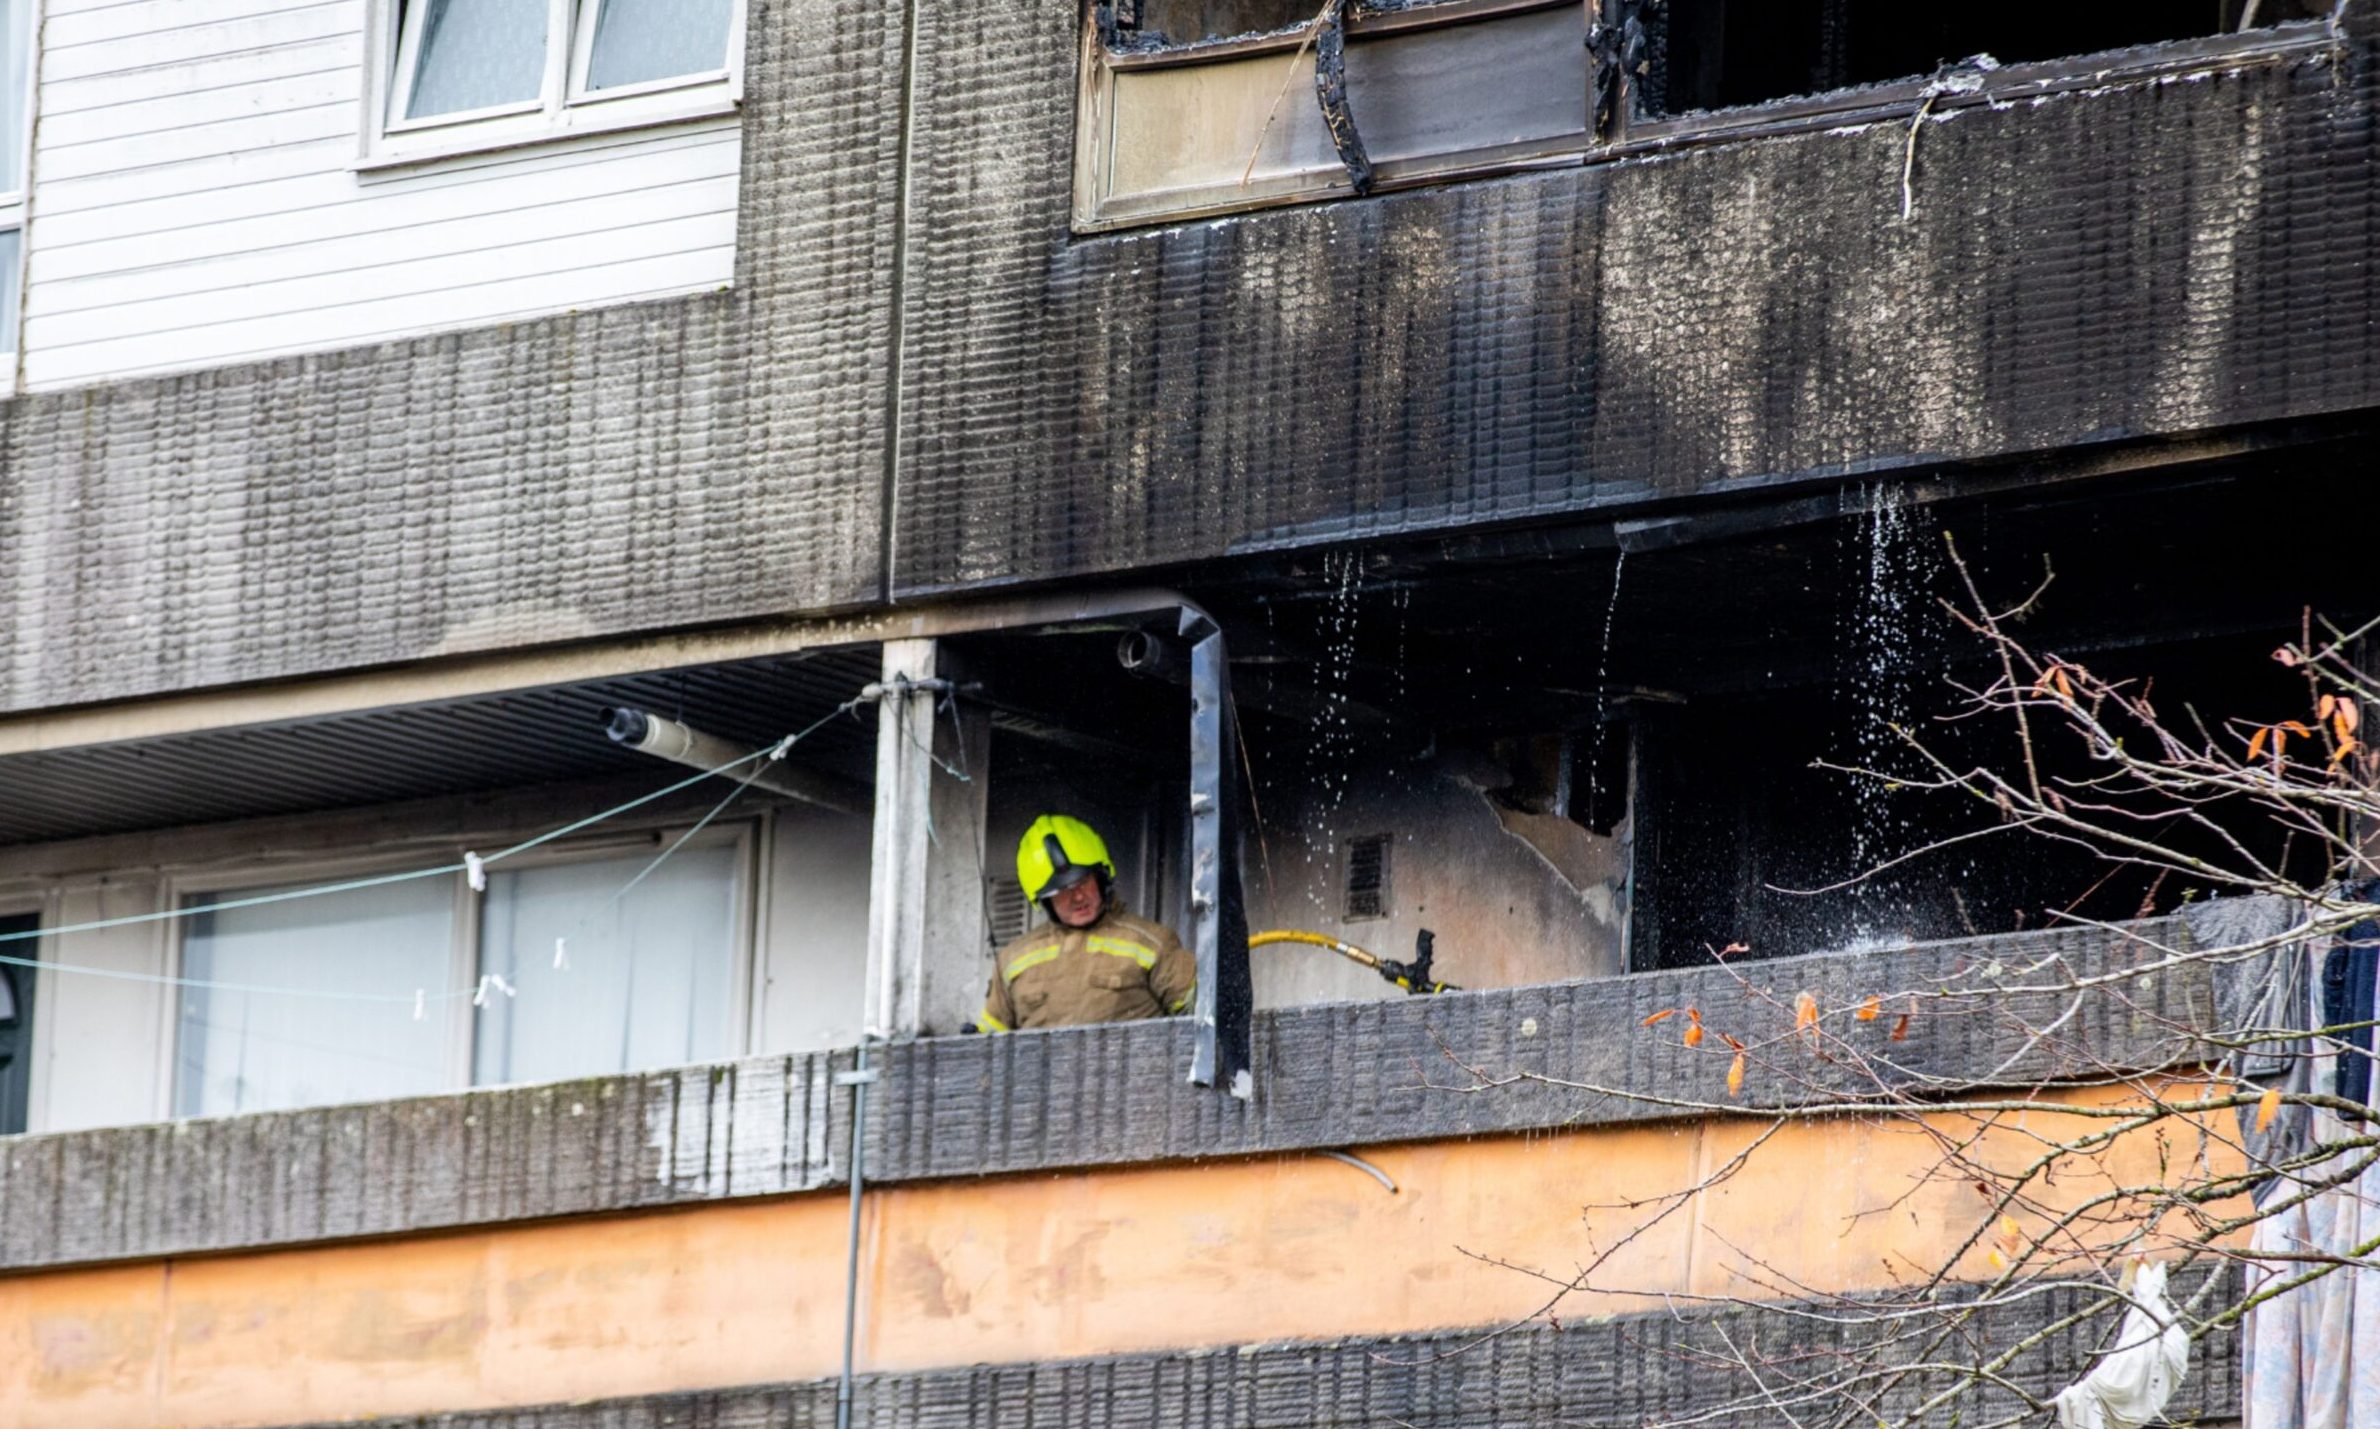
1330, 1076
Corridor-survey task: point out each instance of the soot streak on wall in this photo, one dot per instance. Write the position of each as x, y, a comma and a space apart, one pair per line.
2145, 258
2151, 257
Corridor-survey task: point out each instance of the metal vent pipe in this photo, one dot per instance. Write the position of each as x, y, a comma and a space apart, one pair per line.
649, 733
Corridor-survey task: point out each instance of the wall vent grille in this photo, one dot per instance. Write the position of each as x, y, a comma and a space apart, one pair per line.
1367, 878
1006, 913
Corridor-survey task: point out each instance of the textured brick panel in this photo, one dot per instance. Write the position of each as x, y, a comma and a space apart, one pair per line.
1329, 1076
1355, 1073
760, 1127
586, 474
1617, 1373
2146, 258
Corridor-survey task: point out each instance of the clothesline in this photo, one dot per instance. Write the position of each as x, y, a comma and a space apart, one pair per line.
471, 865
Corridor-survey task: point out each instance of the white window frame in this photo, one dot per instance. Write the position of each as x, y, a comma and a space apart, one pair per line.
16, 205
746, 836
565, 108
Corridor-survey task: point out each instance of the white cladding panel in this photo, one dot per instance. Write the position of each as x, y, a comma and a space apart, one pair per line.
196, 205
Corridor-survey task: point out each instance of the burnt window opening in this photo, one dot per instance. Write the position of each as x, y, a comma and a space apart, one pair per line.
1452, 696
1178, 24
1366, 893
1217, 106
1834, 635
1722, 54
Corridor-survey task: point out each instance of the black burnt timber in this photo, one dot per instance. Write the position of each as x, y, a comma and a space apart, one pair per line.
1587, 1374
1339, 1075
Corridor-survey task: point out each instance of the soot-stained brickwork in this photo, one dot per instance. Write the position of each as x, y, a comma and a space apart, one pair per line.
1610, 1374
2155, 257
632, 468
1329, 1076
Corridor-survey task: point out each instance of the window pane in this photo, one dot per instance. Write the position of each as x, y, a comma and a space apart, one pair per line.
15, 41
11, 269
255, 1051
650, 974
478, 53
640, 40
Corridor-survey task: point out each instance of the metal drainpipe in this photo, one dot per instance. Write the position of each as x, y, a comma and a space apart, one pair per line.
857, 1079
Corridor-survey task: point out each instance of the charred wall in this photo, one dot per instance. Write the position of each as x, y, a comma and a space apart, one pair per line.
2151, 257
2141, 258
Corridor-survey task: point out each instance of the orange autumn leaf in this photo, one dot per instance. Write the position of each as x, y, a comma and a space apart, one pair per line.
2065, 686
1805, 1012
1730, 1041
1900, 1029
2346, 747
2256, 743
1735, 1076
2324, 707
2347, 715
2340, 728
1662, 1016
2267, 1106
1693, 1034
1870, 1009
2294, 727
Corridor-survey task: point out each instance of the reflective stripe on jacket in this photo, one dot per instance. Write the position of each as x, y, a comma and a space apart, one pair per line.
1120, 969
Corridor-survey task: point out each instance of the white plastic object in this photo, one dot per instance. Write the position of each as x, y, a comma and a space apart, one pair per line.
2130, 1386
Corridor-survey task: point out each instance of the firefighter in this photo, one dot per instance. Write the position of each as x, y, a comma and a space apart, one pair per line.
1093, 961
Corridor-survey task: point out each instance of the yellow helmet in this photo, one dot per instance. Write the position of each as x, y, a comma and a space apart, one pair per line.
1058, 852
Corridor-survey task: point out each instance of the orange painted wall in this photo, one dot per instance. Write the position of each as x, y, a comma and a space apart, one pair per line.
958, 1273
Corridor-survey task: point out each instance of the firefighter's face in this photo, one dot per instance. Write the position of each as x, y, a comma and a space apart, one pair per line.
1077, 907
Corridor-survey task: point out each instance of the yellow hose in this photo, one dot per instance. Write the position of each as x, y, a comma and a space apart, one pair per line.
1315, 940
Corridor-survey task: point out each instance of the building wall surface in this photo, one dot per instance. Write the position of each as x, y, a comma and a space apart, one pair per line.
2132, 259
624, 468
620, 1247
2124, 259
1005, 1271
199, 204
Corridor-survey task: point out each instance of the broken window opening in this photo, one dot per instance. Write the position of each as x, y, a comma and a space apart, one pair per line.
1453, 701
1160, 25
1721, 54
1192, 108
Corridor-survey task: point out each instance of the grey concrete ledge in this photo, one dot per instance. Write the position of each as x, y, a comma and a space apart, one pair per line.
1330, 1076
1615, 1372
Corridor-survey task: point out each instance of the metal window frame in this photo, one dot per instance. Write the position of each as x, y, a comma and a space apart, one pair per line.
180, 883
1097, 209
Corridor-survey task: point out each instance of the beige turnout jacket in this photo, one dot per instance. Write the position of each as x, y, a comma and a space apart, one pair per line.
1120, 969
